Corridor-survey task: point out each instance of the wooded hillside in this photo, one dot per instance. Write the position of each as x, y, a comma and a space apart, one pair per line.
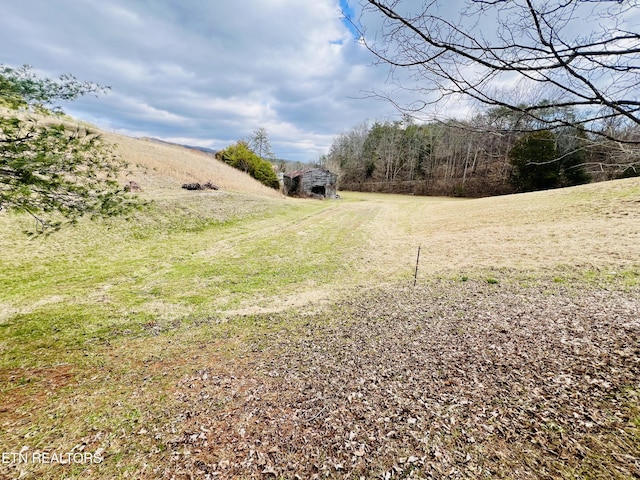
495, 153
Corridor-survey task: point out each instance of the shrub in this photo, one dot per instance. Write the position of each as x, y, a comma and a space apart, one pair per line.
240, 156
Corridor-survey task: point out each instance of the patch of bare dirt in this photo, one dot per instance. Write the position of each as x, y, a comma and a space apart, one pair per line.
450, 380
23, 385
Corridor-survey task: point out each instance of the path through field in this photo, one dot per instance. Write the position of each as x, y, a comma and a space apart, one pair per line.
532, 235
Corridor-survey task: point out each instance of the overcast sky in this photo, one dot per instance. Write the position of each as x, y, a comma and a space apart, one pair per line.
204, 72
210, 72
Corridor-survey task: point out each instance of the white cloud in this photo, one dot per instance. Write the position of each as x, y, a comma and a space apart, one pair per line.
120, 13
206, 71
144, 111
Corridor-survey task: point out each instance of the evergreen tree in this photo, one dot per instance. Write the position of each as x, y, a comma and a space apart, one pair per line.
55, 172
535, 161
573, 157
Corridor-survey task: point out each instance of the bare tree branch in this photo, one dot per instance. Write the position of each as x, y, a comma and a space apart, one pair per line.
578, 54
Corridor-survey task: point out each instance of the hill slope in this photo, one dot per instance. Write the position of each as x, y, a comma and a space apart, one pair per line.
161, 167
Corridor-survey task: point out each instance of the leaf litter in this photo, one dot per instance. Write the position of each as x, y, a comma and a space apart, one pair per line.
448, 380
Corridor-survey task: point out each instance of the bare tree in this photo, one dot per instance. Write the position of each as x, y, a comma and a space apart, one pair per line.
346, 154
259, 143
547, 55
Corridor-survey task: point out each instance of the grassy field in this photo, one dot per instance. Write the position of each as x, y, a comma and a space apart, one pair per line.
150, 341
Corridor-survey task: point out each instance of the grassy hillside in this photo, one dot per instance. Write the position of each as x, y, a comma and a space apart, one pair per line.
160, 168
153, 341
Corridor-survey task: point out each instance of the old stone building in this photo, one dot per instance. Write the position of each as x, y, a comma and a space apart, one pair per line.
311, 182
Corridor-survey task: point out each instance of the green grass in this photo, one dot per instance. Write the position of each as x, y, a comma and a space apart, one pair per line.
87, 284
98, 323
190, 257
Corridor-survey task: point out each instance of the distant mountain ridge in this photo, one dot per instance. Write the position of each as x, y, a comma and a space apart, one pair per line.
283, 164
208, 150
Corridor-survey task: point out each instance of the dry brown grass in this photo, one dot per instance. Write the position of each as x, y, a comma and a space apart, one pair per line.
587, 228
159, 168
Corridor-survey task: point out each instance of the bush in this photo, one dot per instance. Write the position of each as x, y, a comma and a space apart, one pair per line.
240, 156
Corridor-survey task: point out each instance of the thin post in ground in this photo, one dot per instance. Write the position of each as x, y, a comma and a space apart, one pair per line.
415, 276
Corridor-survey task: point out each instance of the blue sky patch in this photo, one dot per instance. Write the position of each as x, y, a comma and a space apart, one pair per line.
348, 12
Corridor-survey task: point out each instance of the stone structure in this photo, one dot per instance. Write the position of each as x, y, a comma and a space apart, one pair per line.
312, 182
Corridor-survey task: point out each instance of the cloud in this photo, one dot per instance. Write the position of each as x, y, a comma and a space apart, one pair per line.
212, 72
205, 72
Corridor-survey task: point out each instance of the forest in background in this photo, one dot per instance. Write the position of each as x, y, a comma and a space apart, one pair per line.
497, 152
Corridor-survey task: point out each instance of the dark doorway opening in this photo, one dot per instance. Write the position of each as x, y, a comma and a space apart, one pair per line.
318, 190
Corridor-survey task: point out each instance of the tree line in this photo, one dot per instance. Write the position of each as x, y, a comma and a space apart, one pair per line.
578, 54
558, 82
496, 152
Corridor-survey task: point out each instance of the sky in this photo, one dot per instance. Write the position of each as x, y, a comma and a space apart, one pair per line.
205, 72
210, 72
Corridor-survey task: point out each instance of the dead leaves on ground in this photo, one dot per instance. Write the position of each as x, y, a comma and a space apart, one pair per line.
451, 380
